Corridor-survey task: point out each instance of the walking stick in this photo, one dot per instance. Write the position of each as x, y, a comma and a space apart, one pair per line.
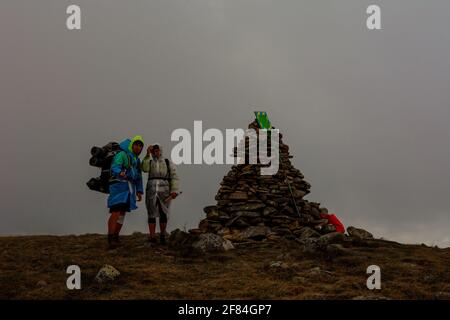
292, 194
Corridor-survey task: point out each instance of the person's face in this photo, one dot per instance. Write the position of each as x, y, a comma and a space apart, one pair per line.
157, 153
137, 148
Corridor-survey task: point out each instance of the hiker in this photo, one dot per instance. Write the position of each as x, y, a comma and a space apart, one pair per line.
162, 187
331, 219
125, 185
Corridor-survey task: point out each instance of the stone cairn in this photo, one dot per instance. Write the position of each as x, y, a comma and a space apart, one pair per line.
251, 206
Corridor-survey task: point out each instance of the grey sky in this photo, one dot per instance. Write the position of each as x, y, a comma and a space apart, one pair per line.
365, 113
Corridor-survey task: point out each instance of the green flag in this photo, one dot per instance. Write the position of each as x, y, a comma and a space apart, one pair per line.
263, 120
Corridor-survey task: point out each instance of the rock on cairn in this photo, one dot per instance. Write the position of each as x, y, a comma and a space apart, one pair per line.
257, 207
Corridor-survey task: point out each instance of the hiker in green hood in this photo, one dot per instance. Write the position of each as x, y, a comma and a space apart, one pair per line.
125, 185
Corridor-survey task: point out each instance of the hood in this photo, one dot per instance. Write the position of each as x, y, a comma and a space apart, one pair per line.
126, 144
136, 138
160, 147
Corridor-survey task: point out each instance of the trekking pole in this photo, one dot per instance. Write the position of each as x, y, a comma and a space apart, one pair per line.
292, 194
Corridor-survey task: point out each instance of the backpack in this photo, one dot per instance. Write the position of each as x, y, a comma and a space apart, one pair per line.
102, 158
333, 220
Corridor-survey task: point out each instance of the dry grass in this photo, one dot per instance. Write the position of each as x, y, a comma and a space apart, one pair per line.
408, 272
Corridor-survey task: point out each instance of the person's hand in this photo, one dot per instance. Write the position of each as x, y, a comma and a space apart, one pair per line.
149, 150
123, 174
173, 195
139, 196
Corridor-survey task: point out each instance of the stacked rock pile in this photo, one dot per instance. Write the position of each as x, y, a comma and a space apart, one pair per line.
254, 206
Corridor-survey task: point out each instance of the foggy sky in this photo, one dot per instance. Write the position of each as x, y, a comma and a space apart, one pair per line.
365, 113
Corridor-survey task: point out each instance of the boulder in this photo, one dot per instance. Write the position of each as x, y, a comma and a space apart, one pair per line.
195, 231
359, 233
240, 223
330, 238
210, 209
255, 232
247, 214
238, 195
210, 242
227, 245
318, 273
41, 284
299, 194
306, 233
315, 213
247, 207
107, 274
279, 264
273, 237
309, 246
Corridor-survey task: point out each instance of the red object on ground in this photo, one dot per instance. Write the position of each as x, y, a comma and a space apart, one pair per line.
332, 219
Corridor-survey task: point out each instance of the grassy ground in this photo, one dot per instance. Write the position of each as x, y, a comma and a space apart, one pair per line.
35, 268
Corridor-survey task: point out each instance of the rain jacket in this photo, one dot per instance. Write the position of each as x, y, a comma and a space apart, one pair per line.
122, 189
159, 186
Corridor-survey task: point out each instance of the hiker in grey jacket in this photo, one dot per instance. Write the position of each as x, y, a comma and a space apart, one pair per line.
162, 187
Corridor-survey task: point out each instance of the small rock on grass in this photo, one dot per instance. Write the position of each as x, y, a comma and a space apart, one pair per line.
107, 274
279, 264
41, 284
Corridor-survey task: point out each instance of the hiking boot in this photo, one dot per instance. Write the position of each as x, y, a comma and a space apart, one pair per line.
152, 239
162, 239
116, 238
111, 243
110, 238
